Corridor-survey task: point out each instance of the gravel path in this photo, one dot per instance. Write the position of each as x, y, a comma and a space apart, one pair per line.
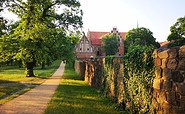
34, 101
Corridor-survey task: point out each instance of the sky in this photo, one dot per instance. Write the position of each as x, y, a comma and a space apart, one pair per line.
156, 15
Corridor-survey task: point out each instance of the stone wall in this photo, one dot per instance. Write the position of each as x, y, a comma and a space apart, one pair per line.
94, 72
169, 83
95, 76
80, 68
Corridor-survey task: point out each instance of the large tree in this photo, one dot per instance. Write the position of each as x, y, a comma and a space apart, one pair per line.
177, 36
140, 36
43, 29
110, 43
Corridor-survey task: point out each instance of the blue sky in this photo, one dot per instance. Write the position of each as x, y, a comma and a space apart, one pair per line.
156, 15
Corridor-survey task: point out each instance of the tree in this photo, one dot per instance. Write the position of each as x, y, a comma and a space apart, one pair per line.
177, 36
140, 36
42, 32
110, 43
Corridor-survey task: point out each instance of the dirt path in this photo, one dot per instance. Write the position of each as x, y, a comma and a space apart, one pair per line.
34, 101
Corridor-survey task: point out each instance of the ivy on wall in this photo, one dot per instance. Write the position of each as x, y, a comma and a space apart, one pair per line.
128, 80
107, 75
138, 79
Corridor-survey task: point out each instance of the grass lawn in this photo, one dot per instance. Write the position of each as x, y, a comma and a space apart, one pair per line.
13, 79
74, 96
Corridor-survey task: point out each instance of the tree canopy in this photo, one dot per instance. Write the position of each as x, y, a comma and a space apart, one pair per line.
43, 32
110, 43
140, 36
177, 35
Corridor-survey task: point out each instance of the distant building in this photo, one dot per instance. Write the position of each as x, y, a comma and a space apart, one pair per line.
164, 45
90, 46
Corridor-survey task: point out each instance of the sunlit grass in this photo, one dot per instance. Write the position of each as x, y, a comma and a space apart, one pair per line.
13, 73
12, 80
74, 96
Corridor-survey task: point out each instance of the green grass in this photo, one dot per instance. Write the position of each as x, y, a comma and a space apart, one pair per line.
9, 89
15, 74
12, 80
74, 96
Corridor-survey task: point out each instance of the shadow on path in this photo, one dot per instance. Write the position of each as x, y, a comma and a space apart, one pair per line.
34, 101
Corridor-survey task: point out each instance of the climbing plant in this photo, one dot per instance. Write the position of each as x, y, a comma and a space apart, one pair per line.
137, 79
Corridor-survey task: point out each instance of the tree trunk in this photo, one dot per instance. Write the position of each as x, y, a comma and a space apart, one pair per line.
19, 63
43, 65
29, 69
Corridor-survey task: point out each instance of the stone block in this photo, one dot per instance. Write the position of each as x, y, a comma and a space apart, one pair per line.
181, 88
182, 51
182, 102
164, 63
155, 104
155, 53
158, 72
174, 87
172, 53
172, 64
166, 108
177, 76
166, 74
167, 85
170, 98
160, 99
178, 96
162, 96
163, 54
156, 93
157, 83
181, 64
182, 98
157, 62
176, 110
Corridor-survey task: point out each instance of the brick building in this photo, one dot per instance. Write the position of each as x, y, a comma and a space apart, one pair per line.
90, 45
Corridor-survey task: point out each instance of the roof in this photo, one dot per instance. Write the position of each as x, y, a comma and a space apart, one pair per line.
96, 37
164, 44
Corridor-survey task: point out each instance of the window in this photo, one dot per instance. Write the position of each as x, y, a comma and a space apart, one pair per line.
98, 53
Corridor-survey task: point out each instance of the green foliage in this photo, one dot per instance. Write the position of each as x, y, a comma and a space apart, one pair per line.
3, 26
42, 34
109, 59
110, 77
107, 75
110, 43
177, 36
140, 36
138, 78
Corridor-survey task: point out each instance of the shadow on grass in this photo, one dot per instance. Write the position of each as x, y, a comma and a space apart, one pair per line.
78, 98
9, 87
